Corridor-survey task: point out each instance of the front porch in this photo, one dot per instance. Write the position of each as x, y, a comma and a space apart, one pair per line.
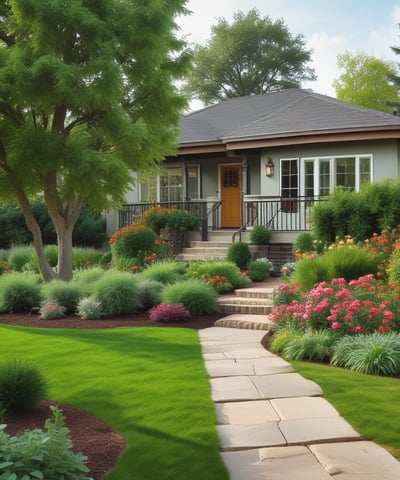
285, 217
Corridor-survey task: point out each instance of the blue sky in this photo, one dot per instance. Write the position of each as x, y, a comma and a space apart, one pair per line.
329, 28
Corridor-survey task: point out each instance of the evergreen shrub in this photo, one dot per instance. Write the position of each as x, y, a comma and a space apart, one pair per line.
196, 296
19, 293
239, 253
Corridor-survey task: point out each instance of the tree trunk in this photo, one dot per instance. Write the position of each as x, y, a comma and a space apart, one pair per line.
64, 242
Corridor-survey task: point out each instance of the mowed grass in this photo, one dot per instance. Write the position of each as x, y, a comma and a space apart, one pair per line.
371, 404
149, 384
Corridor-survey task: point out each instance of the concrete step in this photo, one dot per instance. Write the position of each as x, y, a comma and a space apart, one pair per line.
205, 250
209, 244
189, 257
246, 309
261, 292
248, 321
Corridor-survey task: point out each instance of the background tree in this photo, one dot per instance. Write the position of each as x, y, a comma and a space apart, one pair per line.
86, 96
365, 82
252, 56
395, 79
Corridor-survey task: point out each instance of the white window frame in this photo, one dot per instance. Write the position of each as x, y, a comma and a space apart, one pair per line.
332, 179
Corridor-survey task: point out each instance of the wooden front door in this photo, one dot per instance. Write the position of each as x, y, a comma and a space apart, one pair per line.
231, 188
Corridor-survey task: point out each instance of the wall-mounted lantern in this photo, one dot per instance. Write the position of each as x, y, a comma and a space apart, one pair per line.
269, 168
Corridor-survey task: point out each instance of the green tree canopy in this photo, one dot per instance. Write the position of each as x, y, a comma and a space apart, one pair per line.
87, 96
365, 82
251, 56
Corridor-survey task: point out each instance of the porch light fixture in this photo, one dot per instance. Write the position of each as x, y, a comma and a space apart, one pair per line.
269, 168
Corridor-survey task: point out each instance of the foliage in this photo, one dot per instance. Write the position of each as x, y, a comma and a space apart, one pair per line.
364, 81
218, 268
260, 235
357, 214
286, 293
134, 241
85, 105
196, 296
22, 385
117, 292
287, 270
364, 305
84, 257
63, 293
19, 293
19, 257
165, 272
313, 345
342, 259
87, 277
52, 311
39, 454
89, 308
158, 217
281, 338
169, 313
239, 254
251, 56
259, 269
306, 243
374, 354
149, 293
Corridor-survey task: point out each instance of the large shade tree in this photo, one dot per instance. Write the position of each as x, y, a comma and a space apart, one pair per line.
87, 95
365, 82
251, 56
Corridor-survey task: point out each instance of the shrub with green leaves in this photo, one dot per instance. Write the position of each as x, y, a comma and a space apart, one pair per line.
215, 268
52, 311
41, 454
19, 293
239, 253
84, 257
85, 278
394, 268
117, 292
64, 293
196, 296
260, 235
309, 271
89, 308
348, 262
134, 241
149, 292
260, 269
313, 345
304, 243
374, 354
19, 257
22, 385
281, 338
166, 272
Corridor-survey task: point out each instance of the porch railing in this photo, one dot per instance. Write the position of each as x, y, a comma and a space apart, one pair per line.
206, 210
279, 214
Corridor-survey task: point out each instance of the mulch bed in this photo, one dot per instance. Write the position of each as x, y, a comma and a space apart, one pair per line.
89, 434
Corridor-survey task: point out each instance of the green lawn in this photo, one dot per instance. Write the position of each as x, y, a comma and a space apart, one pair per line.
149, 384
370, 403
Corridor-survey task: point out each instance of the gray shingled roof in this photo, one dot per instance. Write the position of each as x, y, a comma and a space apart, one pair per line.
279, 114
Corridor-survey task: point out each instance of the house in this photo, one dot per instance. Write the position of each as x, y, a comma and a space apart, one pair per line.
265, 159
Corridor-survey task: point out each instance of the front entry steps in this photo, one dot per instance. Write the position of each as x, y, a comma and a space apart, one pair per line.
248, 321
249, 301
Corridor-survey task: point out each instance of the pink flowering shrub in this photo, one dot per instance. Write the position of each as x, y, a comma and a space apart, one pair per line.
364, 305
164, 312
52, 311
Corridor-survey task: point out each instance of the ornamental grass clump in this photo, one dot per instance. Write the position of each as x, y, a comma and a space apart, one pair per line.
260, 269
166, 272
22, 385
19, 293
169, 313
373, 354
149, 292
66, 294
218, 268
313, 345
118, 293
197, 296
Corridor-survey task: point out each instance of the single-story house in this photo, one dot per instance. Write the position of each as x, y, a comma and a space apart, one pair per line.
265, 159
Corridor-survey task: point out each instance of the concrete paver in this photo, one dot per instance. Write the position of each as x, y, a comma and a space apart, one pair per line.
278, 463
240, 437
229, 389
246, 413
303, 407
357, 460
284, 385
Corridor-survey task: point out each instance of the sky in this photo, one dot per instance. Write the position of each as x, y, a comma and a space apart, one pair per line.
329, 28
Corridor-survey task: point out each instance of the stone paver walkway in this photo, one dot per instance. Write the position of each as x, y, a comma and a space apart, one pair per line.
274, 424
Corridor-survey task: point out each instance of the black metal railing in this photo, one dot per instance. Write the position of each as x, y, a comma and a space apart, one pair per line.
279, 214
206, 210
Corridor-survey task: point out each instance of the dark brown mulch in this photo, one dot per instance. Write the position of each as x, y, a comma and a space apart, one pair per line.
88, 433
